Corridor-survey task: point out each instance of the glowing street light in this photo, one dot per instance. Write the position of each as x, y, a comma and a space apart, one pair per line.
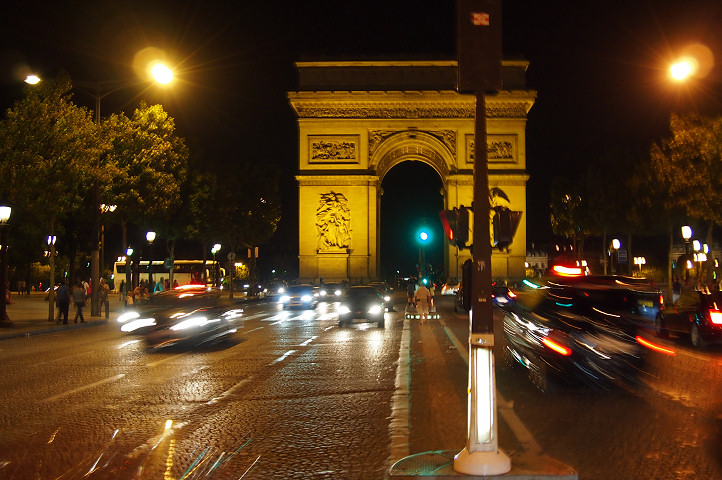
683, 69
150, 236
5, 212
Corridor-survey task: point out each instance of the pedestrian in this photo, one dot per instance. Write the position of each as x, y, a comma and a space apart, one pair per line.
676, 289
422, 297
79, 296
62, 294
103, 297
159, 286
121, 289
410, 291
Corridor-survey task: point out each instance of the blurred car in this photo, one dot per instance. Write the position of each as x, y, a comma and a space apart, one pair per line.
449, 288
330, 291
190, 315
361, 302
386, 293
695, 313
546, 334
299, 296
502, 296
275, 289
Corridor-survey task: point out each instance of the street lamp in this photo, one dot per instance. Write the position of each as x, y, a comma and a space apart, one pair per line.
615, 248
5, 212
216, 248
51, 292
161, 74
150, 236
640, 261
128, 286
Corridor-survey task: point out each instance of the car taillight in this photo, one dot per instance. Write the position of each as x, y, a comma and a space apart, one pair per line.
557, 346
715, 316
512, 294
653, 346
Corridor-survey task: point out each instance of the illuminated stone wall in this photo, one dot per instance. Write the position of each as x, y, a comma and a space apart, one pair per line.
357, 120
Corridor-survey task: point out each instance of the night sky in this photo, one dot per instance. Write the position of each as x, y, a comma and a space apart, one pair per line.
598, 68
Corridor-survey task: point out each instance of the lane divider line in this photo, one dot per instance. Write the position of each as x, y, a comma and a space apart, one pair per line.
84, 387
400, 425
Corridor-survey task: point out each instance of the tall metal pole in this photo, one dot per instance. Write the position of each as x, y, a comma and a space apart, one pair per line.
4, 319
95, 241
480, 71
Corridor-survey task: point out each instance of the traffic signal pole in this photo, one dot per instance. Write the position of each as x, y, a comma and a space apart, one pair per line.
480, 71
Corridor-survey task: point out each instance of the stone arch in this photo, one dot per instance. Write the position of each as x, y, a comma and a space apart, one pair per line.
412, 145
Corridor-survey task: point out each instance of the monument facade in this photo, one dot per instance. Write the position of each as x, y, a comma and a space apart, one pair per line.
357, 120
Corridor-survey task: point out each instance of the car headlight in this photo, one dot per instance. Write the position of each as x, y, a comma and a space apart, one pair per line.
281, 290
322, 293
284, 299
375, 309
306, 298
133, 325
387, 298
127, 316
337, 293
343, 309
190, 323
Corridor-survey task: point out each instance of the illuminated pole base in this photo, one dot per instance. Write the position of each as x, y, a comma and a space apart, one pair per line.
482, 463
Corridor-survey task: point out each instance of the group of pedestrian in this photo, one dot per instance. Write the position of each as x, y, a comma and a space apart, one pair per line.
420, 297
78, 294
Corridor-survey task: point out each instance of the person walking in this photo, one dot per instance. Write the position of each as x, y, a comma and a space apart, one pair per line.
79, 297
63, 300
103, 297
422, 297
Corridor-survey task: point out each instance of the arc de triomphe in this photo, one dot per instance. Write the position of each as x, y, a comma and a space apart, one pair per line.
357, 120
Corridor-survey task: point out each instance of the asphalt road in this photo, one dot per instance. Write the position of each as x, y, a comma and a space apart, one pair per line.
295, 396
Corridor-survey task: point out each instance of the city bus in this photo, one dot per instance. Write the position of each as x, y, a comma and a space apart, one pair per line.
184, 271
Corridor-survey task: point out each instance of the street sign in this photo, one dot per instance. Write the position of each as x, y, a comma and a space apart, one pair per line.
167, 263
622, 256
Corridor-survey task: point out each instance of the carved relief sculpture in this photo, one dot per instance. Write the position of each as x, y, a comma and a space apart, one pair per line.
333, 150
333, 222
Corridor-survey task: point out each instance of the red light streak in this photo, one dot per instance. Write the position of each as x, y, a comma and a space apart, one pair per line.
652, 346
560, 349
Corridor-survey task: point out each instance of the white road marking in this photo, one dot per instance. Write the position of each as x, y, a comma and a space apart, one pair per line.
283, 357
84, 387
400, 427
229, 391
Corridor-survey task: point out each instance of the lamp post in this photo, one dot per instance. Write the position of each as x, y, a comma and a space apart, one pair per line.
51, 291
216, 248
104, 209
150, 236
128, 286
5, 212
640, 261
615, 248
160, 74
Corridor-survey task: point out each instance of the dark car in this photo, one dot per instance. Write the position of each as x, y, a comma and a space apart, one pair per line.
299, 296
386, 293
330, 292
190, 315
695, 313
502, 296
361, 302
546, 333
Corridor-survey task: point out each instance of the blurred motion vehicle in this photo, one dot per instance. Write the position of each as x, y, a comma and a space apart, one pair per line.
386, 293
695, 313
330, 291
547, 334
275, 289
191, 315
299, 296
361, 302
502, 296
449, 288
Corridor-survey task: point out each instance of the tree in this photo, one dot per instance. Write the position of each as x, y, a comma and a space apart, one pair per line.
144, 167
47, 156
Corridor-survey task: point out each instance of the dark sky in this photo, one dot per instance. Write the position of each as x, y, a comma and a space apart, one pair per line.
598, 67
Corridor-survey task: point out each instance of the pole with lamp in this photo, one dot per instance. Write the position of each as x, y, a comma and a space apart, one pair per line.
51, 291
5, 212
640, 261
150, 236
104, 209
216, 248
615, 248
160, 74
423, 240
128, 278
686, 235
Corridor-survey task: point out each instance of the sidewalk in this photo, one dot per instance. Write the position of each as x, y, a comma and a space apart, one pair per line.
29, 314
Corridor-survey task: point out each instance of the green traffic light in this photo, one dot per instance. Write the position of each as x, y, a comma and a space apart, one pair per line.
423, 236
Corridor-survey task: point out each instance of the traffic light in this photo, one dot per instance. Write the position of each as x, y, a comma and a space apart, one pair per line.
504, 223
456, 225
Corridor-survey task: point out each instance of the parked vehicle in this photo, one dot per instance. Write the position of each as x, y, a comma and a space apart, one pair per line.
695, 313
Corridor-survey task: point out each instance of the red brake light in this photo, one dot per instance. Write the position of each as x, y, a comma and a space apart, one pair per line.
557, 347
715, 317
512, 294
567, 271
